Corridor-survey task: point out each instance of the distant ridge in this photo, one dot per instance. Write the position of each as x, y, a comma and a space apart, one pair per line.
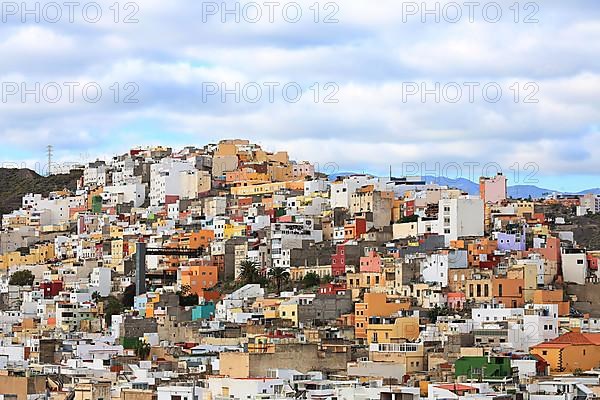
472, 188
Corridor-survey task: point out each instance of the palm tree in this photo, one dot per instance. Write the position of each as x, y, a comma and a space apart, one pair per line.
96, 297
279, 275
249, 272
311, 279
142, 349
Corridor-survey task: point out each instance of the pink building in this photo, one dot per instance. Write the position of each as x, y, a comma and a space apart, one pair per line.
371, 262
456, 300
492, 190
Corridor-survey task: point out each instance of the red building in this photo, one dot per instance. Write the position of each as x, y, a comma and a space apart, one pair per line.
51, 289
333, 288
338, 261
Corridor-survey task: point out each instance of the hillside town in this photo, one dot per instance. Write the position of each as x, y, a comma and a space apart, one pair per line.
231, 272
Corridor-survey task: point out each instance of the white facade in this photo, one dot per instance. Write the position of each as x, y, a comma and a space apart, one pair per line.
316, 186
462, 217
95, 174
172, 177
59, 208
435, 269
341, 191
574, 267
101, 281
528, 326
125, 193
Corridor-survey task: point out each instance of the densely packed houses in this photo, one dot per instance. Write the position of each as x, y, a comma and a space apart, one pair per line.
230, 272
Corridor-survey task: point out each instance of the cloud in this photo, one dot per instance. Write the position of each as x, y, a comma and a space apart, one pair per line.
369, 56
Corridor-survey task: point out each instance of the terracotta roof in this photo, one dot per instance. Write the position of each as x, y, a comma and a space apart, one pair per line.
456, 387
548, 345
573, 338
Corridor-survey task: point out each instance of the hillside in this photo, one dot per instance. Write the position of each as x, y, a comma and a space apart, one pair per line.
14, 183
587, 231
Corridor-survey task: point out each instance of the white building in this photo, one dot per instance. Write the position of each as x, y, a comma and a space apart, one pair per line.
101, 281
95, 174
574, 265
462, 217
342, 190
589, 203
176, 178
125, 193
521, 327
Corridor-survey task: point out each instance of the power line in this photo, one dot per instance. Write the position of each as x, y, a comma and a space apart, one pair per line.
49, 152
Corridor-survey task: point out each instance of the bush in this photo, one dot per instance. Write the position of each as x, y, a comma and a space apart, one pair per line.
22, 278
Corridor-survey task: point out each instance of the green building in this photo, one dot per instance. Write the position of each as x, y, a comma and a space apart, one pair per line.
483, 368
97, 204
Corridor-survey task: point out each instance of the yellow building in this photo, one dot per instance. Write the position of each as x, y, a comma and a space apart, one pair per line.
116, 232
366, 280
38, 254
116, 255
525, 207
298, 273
268, 307
411, 355
289, 311
392, 330
230, 231
248, 189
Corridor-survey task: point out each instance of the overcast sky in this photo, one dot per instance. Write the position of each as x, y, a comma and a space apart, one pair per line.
362, 66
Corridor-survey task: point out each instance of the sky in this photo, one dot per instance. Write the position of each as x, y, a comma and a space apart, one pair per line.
437, 88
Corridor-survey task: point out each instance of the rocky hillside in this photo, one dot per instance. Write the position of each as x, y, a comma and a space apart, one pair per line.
14, 183
587, 231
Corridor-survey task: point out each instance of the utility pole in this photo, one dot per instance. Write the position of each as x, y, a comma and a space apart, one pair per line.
49, 151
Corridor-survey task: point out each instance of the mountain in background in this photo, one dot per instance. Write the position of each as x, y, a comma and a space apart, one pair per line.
472, 188
14, 183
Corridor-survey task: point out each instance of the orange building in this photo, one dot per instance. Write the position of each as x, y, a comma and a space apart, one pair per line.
374, 305
475, 248
199, 278
570, 352
508, 292
194, 240
542, 296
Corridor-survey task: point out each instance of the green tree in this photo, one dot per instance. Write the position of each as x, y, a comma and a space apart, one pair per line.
186, 297
279, 275
410, 218
311, 280
142, 349
436, 312
112, 306
22, 278
249, 272
327, 279
129, 296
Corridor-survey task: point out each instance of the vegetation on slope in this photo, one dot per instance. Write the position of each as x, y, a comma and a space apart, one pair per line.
14, 183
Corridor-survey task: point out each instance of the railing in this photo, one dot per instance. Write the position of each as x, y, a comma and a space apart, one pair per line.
394, 347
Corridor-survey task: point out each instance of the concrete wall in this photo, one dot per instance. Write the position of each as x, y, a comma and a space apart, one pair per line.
302, 357
326, 308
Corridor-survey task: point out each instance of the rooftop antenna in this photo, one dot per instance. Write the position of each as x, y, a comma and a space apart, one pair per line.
49, 151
